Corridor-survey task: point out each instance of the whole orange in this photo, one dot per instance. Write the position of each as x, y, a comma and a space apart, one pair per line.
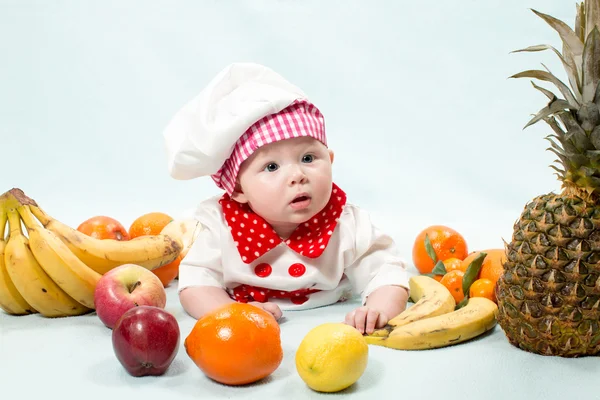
453, 282
149, 224
446, 243
152, 224
483, 288
103, 227
492, 265
235, 344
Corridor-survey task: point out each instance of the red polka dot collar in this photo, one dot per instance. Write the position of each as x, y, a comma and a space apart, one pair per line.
254, 237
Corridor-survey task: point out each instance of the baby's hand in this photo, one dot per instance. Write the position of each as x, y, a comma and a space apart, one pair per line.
269, 307
366, 319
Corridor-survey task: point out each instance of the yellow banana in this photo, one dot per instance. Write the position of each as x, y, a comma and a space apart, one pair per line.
102, 255
186, 230
30, 279
11, 300
69, 272
431, 299
475, 318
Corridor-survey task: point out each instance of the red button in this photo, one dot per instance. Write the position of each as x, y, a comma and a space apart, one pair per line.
263, 270
296, 270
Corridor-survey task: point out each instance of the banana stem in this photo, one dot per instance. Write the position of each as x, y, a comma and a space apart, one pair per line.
40, 215
27, 217
14, 223
3, 220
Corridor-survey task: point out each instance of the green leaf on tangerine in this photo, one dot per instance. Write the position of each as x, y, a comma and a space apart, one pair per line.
439, 269
462, 303
429, 249
472, 271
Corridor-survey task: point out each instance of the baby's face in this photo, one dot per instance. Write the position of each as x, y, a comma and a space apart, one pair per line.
287, 182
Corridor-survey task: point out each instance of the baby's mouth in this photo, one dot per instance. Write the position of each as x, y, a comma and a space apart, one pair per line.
300, 199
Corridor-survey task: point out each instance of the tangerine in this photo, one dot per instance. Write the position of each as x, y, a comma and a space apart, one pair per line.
453, 282
153, 224
492, 266
103, 227
167, 273
483, 288
149, 224
446, 243
453, 264
235, 344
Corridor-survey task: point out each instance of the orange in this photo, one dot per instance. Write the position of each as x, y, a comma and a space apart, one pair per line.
446, 242
483, 288
102, 227
167, 273
235, 344
453, 264
152, 224
453, 282
492, 266
149, 224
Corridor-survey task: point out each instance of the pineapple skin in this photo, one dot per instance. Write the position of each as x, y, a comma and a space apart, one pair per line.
549, 293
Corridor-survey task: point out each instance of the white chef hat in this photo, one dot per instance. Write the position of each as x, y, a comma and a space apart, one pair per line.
244, 107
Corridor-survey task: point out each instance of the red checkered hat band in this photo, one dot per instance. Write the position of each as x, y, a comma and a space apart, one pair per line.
301, 118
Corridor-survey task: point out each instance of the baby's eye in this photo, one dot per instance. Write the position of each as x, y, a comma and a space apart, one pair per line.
308, 158
271, 167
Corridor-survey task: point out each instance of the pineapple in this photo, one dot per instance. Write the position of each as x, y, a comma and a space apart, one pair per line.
549, 293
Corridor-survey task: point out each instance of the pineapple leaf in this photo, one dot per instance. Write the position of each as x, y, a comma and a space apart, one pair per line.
548, 77
548, 93
429, 249
591, 65
580, 22
575, 134
595, 138
592, 16
439, 269
561, 172
472, 271
551, 108
593, 155
568, 64
567, 35
574, 80
560, 134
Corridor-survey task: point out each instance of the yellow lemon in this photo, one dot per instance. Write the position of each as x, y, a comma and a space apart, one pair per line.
331, 357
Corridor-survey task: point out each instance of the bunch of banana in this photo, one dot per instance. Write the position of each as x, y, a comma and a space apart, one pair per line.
54, 269
432, 321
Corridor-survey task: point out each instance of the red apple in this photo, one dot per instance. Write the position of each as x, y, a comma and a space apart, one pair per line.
146, 340
125, 287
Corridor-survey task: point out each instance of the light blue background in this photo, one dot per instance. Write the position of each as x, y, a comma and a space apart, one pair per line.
426, 127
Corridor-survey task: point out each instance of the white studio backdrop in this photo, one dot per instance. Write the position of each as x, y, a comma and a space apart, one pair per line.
424, 122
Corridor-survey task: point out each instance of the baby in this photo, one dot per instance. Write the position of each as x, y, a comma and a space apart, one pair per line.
282, 236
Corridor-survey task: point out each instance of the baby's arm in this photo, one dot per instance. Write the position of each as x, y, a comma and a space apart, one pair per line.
199, 300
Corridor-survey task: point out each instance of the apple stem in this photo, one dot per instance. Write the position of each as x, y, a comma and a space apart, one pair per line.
132, 287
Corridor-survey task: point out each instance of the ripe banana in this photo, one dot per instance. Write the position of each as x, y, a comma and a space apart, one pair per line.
150, 252
70, 273
11, 300
30, 279
431, 299
186, 230
477, 317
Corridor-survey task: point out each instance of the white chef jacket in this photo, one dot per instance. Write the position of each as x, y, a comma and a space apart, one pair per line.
356, 258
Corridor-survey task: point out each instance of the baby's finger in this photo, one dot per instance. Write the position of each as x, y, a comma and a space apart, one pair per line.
372, 317
359, 319
349, 320
275, 310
